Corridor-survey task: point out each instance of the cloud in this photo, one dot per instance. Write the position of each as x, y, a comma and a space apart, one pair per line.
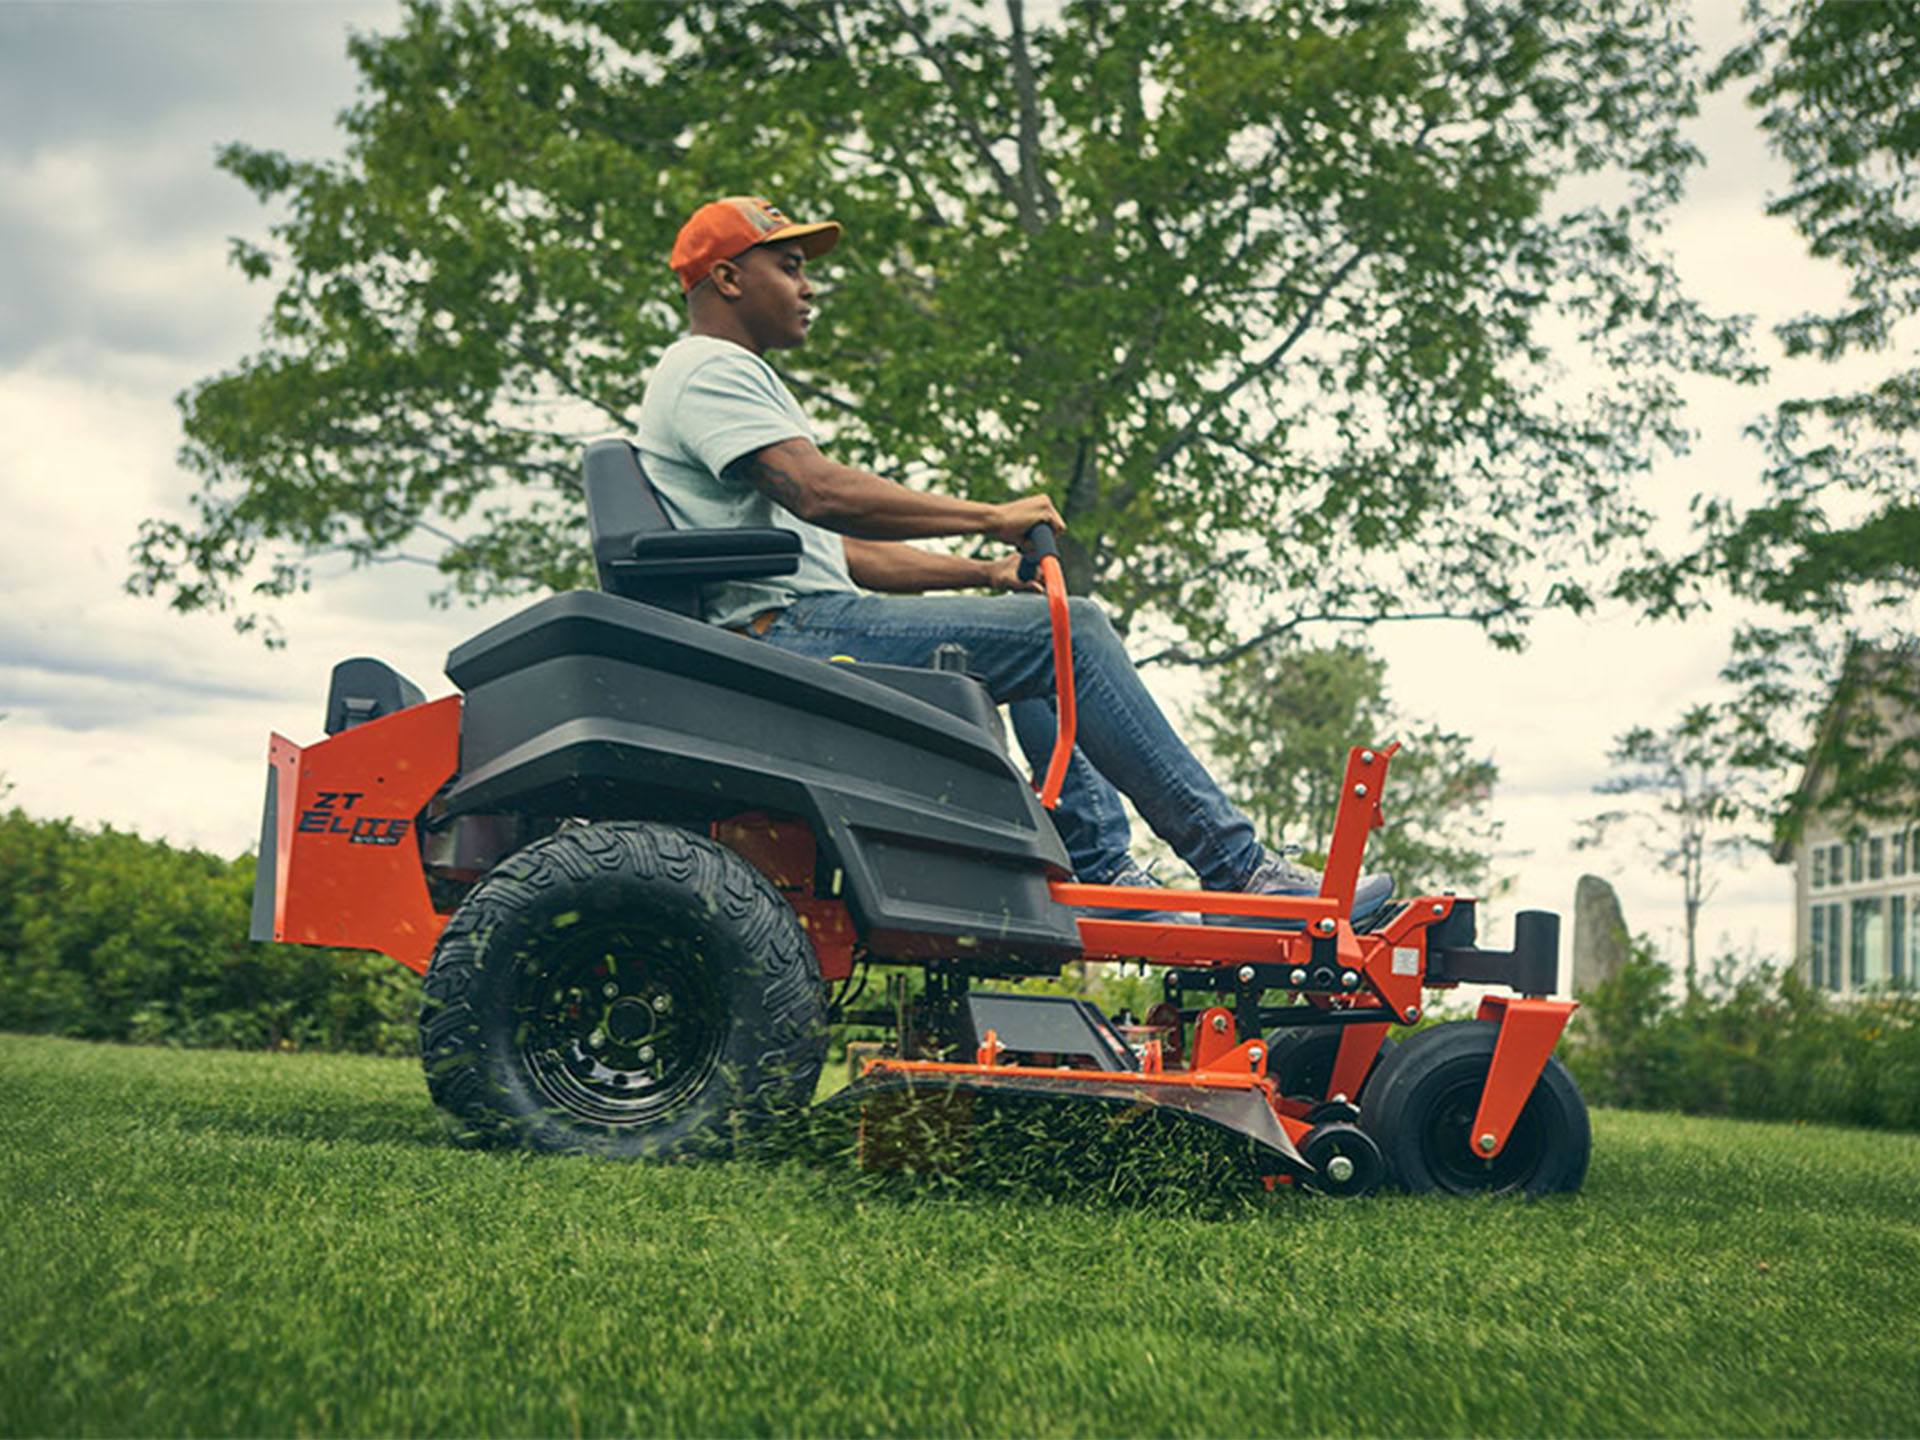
113, 219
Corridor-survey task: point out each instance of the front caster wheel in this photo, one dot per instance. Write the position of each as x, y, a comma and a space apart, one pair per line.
1422, 1110
1346, 1162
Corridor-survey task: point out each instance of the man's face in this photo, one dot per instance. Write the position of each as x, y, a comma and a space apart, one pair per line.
775, 300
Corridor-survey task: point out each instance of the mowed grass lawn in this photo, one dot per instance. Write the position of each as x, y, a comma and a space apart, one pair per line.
211, 1243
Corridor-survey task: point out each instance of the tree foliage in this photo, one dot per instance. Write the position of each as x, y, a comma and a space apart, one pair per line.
1833, 547
1275, 298
1278, 727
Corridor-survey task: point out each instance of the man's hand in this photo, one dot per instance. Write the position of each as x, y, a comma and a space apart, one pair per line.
1004, 574
1011, 521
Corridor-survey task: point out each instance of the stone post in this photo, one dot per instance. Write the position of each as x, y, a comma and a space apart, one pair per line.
1600, 945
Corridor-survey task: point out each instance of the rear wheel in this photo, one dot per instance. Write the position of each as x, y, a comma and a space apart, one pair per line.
632, 990
1421, 1113
1300, 1061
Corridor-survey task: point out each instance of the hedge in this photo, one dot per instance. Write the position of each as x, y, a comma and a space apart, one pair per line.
1757, 1043
106, 936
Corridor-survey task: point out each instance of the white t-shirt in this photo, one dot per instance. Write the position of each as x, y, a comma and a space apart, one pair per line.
708, 402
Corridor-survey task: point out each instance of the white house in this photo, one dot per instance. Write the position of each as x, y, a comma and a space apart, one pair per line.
1856, 890
1857, 907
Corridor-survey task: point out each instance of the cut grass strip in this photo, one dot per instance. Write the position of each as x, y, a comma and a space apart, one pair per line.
217, 1243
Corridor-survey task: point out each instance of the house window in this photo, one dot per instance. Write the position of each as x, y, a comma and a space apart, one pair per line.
1818, 957
1898, 867
1868, 950
1876, 857
1911, 971
1820, 868
1833, 946
1853, 860
1833, 864
1897, 940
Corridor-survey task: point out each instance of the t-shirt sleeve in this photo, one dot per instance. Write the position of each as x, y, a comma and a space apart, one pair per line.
731, 408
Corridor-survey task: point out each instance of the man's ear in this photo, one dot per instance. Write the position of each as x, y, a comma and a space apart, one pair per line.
725, 278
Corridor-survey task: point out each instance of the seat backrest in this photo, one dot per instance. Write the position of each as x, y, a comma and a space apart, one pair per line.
639, 555
621, 504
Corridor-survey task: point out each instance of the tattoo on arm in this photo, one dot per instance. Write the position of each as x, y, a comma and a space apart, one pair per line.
776, 484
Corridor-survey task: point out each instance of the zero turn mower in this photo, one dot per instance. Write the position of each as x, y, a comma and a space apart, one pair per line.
645, 863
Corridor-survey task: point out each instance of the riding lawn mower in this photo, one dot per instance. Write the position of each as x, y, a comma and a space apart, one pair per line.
645, 864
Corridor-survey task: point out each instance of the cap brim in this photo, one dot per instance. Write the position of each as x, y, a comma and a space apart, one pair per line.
815, 240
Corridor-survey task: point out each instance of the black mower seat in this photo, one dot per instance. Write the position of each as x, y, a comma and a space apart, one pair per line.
640, 556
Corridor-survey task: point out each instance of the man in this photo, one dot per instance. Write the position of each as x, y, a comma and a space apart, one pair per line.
725, 444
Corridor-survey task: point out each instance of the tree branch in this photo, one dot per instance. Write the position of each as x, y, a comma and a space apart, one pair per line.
1021, 202
1033, 173
1177, 655
1218, 399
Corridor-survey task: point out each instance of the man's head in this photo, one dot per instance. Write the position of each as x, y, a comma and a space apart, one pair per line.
742, 266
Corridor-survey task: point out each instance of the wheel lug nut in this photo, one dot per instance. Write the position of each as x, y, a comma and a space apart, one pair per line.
1340, 1169
646, 1053
609, 989
661, 1004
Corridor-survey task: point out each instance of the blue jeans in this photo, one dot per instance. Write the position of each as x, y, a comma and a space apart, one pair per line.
1124, 740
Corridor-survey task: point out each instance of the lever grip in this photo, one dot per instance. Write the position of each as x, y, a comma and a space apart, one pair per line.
1040, 544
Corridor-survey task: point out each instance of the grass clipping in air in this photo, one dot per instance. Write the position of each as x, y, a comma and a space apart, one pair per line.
937, 1140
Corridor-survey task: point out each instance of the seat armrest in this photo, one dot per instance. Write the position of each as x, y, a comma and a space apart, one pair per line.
708, 555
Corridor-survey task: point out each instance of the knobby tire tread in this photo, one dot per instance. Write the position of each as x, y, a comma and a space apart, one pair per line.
785, 1056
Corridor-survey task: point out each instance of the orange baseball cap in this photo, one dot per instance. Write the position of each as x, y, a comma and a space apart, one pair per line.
731, 227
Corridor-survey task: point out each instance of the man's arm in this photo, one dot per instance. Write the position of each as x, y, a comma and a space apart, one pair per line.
794, 474
890, 566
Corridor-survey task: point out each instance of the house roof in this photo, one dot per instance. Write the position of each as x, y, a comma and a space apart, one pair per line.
1866, 664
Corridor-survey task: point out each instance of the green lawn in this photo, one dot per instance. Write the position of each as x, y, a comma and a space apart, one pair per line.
216, 1243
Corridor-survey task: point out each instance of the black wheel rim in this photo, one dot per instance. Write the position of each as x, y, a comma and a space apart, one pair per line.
619, 1025
1446, 1143
1363, 1156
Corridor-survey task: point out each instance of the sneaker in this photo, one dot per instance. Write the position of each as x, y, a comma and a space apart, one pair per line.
1136, 876
1279, 874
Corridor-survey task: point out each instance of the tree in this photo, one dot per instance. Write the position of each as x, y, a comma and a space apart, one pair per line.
1684, 787
1270, 295
1278, 726
1833, 549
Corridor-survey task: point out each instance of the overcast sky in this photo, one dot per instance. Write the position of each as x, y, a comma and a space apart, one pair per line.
115, 295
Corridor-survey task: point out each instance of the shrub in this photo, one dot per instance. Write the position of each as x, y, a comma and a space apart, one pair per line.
106, 936
1755, 1042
